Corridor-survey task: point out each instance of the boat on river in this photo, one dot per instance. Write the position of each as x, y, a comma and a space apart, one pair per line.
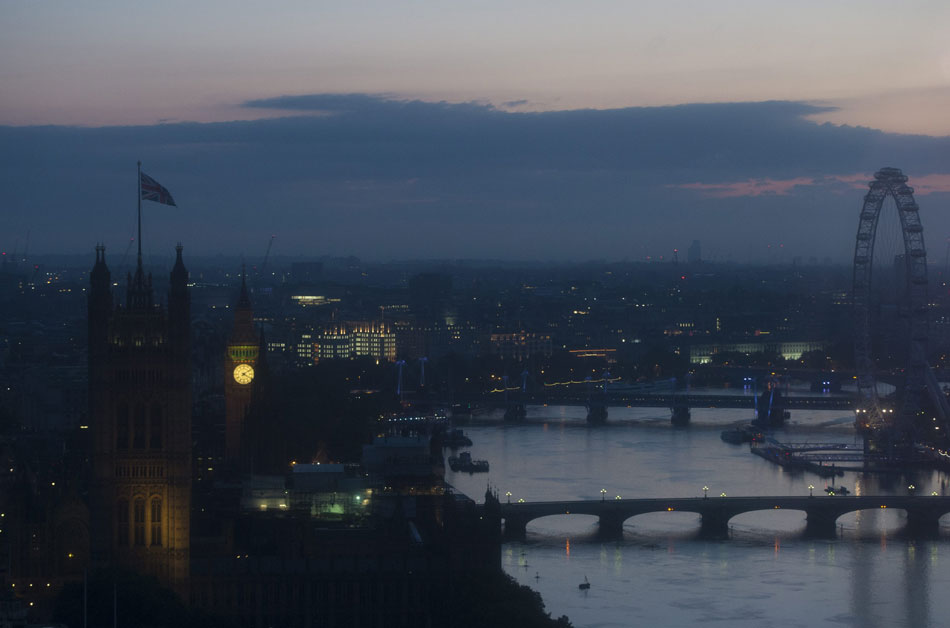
596, 413
836, 490
464, 462
742, 434
456, 438
584, 585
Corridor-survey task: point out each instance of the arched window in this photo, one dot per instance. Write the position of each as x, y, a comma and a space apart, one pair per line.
156, 522
155, 427
138, 427
138, 521
122, 428
122, 523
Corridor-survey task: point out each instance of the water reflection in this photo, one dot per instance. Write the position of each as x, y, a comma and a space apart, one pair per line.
661, 573
917, 587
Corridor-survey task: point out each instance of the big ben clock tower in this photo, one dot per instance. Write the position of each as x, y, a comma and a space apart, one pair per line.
240, 363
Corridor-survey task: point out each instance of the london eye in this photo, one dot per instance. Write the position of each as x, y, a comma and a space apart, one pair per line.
895, 417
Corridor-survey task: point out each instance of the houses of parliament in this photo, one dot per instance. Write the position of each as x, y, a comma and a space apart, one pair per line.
130, 498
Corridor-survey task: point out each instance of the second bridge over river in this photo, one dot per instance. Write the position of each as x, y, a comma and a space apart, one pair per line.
659, 400
821, 511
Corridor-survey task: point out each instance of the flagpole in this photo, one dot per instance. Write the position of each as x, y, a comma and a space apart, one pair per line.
139, 195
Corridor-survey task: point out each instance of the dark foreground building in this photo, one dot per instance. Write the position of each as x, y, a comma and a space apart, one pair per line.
317, 545
140, 418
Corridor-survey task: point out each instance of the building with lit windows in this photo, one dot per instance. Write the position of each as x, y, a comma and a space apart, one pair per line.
344, 341
703, 354
373, 339
306, 349
335, 343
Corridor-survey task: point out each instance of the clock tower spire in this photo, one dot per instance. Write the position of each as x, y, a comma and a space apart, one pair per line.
240, 362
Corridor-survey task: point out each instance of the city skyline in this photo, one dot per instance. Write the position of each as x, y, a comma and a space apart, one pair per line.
661, 270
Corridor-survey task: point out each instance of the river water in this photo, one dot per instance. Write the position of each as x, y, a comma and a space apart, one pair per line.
661, 573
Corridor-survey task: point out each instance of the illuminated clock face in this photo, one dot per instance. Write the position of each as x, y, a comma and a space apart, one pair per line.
243, 373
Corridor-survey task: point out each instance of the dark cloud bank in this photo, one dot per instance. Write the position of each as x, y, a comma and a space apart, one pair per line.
383, 178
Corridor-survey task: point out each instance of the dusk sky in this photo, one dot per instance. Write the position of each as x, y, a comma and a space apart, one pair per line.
530, 130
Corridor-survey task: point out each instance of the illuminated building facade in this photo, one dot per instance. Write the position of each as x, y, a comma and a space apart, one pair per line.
703, 354
344, 341
306, 350
373, 339
335, 343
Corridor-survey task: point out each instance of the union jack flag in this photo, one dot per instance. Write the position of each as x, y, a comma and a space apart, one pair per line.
153, 191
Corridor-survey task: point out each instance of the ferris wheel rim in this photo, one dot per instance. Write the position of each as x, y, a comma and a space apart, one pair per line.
888, 182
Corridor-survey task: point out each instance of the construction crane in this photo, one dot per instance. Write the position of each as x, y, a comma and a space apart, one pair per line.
125, 257
16, 248
270, 243
26, 250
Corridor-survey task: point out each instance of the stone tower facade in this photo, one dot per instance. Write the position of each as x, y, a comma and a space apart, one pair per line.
140, 409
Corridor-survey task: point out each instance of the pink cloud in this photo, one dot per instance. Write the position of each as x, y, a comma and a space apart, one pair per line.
931, 183
749, 187
935, 183
923, 185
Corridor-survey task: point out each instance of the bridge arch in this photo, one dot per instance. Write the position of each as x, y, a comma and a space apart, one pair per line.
780, 521
664, 522
564, 523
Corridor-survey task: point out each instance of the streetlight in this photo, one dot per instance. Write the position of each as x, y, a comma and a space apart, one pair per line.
508, 495
934, 493
603, 494
705, 492
911, 488
521, 500
723, 494
811, 488
617, 497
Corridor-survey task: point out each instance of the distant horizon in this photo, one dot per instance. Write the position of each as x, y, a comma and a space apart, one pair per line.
383, 179
111, 259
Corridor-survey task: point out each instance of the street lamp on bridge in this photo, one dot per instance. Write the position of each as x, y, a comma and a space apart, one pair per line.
603, 494
508, 495
911, 488
705, 492
811, 488
723, 494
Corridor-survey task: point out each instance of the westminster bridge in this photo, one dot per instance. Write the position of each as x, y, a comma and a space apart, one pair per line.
821, 511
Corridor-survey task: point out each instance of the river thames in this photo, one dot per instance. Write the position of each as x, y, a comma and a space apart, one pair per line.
661, 573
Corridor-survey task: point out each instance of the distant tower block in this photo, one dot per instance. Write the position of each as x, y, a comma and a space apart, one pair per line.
694, 255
